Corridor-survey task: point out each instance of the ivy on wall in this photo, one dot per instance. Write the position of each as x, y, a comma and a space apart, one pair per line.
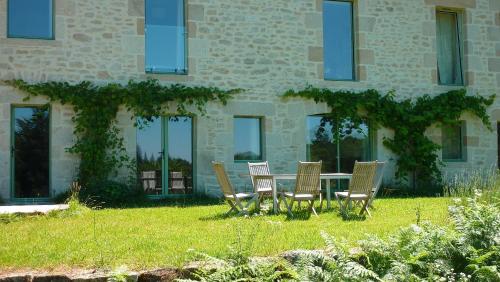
98, 140
409, 119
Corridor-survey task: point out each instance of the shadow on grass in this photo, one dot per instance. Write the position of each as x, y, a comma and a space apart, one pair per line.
168, 202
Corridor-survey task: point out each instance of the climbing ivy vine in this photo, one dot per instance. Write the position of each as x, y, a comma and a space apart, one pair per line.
98, 140
409, 119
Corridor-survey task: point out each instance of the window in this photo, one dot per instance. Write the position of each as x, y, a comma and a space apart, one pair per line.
247, 139
164, 155
449, 48
165, 36
337, 156
452, 142
338, 46
30, 19
30, 152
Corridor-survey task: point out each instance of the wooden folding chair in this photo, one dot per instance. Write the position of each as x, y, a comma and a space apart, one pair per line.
306, 186
261, 185
233, 199
360, 187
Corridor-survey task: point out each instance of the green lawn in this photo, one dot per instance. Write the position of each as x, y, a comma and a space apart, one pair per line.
160, 236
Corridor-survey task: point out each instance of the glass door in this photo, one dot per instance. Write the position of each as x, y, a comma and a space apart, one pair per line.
149, 155
30, 152
165, 155
180, 155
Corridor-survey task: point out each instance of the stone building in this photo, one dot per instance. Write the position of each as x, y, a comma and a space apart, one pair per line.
264, 47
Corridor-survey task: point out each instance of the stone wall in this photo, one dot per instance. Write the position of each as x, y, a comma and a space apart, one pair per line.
264, 48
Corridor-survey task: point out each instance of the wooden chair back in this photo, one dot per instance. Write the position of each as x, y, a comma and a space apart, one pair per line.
223, 179
261, 168
363, 178
308, 178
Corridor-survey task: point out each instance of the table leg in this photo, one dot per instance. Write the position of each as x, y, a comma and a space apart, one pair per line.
328, 196
275, 197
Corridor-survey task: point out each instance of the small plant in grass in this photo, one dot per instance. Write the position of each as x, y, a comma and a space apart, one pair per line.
75, 207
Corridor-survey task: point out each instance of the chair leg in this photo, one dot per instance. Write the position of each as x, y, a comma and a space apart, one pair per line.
291, 207
311, 207
300, 204
233, 207
365, 208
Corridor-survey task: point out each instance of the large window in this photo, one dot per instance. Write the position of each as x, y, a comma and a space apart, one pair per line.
338, 46
165, 36
336, 144
452, 142
247, 139
30, 152
165, 155
449, 48
30, 19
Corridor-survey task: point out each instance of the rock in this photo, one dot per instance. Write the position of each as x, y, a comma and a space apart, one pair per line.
166, 274
21, 278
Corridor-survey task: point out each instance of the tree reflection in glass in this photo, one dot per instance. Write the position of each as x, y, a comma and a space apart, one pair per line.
31, 152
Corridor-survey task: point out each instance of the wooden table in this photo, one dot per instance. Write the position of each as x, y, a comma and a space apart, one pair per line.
327, 176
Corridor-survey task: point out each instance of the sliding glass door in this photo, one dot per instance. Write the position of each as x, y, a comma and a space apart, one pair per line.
165, 155
337, 145
30, 152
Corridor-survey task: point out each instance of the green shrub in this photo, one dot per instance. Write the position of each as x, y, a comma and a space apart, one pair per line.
469, 250
111, 193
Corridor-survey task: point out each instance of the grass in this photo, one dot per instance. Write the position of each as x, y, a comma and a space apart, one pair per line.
161, 236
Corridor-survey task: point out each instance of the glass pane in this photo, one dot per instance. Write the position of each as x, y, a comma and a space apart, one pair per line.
448, 49
354, 146
149, 156
180, 155
451, 141
30, 18
247, 139
337, 40
165, 36
31, 153
320, 144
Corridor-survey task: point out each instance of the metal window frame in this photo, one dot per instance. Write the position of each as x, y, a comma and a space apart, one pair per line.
53, 31
459, 26
463, 144
261, 138
185, 71
164, 161
371, 146
353, 41
13, 197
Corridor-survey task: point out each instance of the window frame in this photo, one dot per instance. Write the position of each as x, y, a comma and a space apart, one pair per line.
459, 20
463, 143
12, 196
353, 42
53, 30
261, 139
185, 71
371, 146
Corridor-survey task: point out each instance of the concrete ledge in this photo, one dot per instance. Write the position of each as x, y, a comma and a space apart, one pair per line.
31, 209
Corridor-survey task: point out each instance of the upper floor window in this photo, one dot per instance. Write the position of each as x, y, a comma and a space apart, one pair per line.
449, 48
338, 40
453, 142
165, 36
247, 139
30, 19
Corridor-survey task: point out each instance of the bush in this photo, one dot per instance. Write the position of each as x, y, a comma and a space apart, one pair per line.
111, 193
467, 251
